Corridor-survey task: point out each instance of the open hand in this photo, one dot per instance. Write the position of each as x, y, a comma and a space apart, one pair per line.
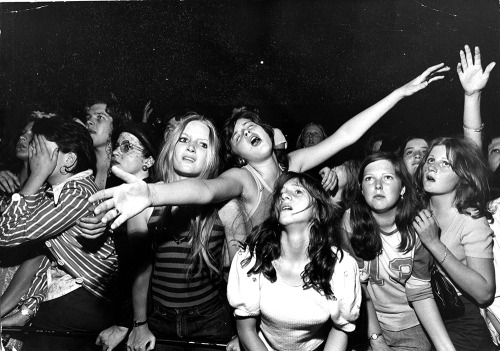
428, 76
470, 71
124, 201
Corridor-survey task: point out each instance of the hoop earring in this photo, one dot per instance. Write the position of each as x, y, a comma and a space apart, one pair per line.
63, 170
144, 168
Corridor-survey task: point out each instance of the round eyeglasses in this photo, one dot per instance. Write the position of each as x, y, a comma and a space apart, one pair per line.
126, 146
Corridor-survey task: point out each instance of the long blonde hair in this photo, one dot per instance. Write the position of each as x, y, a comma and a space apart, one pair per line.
203, 217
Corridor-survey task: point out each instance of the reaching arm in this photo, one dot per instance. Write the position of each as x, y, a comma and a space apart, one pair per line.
429, 316
304, 159
373, 324
126, 200
473, 79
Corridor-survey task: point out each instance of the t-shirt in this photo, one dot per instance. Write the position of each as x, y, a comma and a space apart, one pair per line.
294, 318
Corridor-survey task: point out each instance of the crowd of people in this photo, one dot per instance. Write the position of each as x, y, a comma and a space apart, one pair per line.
120, 229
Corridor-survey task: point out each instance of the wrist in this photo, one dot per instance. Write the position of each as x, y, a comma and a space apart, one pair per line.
472, 94
139, 323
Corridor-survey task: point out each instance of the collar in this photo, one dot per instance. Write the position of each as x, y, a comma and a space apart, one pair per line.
56, 189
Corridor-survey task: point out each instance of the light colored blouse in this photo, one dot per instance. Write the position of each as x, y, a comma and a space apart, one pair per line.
293, 318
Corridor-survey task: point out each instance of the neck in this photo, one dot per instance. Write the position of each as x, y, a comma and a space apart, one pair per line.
58, 178
442, 203
268, 168
387, 220
24, 173
294, 243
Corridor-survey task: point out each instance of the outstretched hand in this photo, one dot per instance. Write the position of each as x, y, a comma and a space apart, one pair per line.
428, 76
124, 201
470, 71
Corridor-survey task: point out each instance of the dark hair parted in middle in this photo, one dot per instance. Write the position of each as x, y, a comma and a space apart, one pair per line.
265, 244
366, 241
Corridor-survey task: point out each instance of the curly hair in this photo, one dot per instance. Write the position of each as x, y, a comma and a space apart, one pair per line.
230, 157
467, 161
366, 241
264, 242
202, 217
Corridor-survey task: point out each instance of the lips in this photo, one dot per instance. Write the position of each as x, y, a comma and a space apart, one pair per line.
379, 197
286, 208
255, 140
188, 159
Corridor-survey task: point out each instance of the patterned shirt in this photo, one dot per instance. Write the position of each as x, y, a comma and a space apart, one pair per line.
50, 216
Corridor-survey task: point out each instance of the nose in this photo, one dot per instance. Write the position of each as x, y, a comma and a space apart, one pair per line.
89, 122
191, 147
418, 155
378, 184
116, 151
285, 196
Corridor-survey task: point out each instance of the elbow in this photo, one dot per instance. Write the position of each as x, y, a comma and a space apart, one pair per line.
486, 297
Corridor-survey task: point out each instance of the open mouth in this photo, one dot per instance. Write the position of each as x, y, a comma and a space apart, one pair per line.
255, 140
286, 208
189, 159
430, 178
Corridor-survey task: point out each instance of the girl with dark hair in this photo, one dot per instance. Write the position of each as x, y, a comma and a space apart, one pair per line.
395, 264
249, 147
347, 183
293, 256
74, 281
454, 228
412, 152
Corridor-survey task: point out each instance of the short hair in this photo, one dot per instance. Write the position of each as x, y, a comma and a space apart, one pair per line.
230, 157
469, 165
69, 136
300, 139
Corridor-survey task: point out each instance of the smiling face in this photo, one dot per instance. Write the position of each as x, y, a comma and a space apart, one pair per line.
494, 154
312, 135
24, 141
413, 153
295, 204
99, 124
250, 140
381, 187
438, 176
128, 154
190, 153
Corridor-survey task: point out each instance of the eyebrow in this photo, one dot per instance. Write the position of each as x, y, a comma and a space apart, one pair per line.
244, 124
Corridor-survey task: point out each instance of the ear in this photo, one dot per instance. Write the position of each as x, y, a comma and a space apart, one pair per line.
70, 161
403, 190
149, 162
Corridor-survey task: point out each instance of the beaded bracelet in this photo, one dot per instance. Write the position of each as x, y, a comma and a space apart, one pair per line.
475, 130
445, 255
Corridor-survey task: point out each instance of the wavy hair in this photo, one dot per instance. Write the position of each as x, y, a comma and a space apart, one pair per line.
264, 242
202, 217
366, 241
467, 161
351, 188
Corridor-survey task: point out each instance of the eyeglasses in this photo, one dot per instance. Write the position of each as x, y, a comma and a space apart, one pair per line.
126, 146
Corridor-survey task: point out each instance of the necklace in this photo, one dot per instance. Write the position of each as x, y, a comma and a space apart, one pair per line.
388, 233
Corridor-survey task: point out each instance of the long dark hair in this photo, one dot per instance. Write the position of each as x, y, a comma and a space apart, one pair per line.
264, 242
366, 241
468, 163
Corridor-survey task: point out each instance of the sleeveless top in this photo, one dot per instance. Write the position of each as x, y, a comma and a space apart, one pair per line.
265, 199
172, 283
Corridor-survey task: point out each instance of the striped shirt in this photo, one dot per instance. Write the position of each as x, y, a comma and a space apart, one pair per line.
50, 216
172, 286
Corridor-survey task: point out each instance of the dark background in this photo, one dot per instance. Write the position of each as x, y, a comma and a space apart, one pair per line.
298, 61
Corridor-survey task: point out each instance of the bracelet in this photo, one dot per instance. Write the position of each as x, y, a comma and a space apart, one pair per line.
475, 130
445, 255
139, 323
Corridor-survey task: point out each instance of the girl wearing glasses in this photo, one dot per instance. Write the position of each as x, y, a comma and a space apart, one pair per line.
454, 228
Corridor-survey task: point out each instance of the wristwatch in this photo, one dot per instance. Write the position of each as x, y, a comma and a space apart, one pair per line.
374, 336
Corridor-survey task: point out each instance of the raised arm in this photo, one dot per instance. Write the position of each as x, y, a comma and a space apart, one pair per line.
473, 79
304, 159
127, 200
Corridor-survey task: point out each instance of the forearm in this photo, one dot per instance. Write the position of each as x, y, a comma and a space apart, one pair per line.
140, 289
336, 341
472, 118
19, 284
473, 282
373, 323
431, 320
247, 333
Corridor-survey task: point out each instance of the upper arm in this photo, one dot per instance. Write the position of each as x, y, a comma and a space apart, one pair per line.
233, 218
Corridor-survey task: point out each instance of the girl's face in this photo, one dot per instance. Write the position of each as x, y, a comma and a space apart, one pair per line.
494, 154
294, 205
128, 154
24, 141
381, 187
250, 140
438, 177
190, 153
99, 124
312, 135
413, 153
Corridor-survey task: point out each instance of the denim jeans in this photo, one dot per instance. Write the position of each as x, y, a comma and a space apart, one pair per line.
410, 339
209, 322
